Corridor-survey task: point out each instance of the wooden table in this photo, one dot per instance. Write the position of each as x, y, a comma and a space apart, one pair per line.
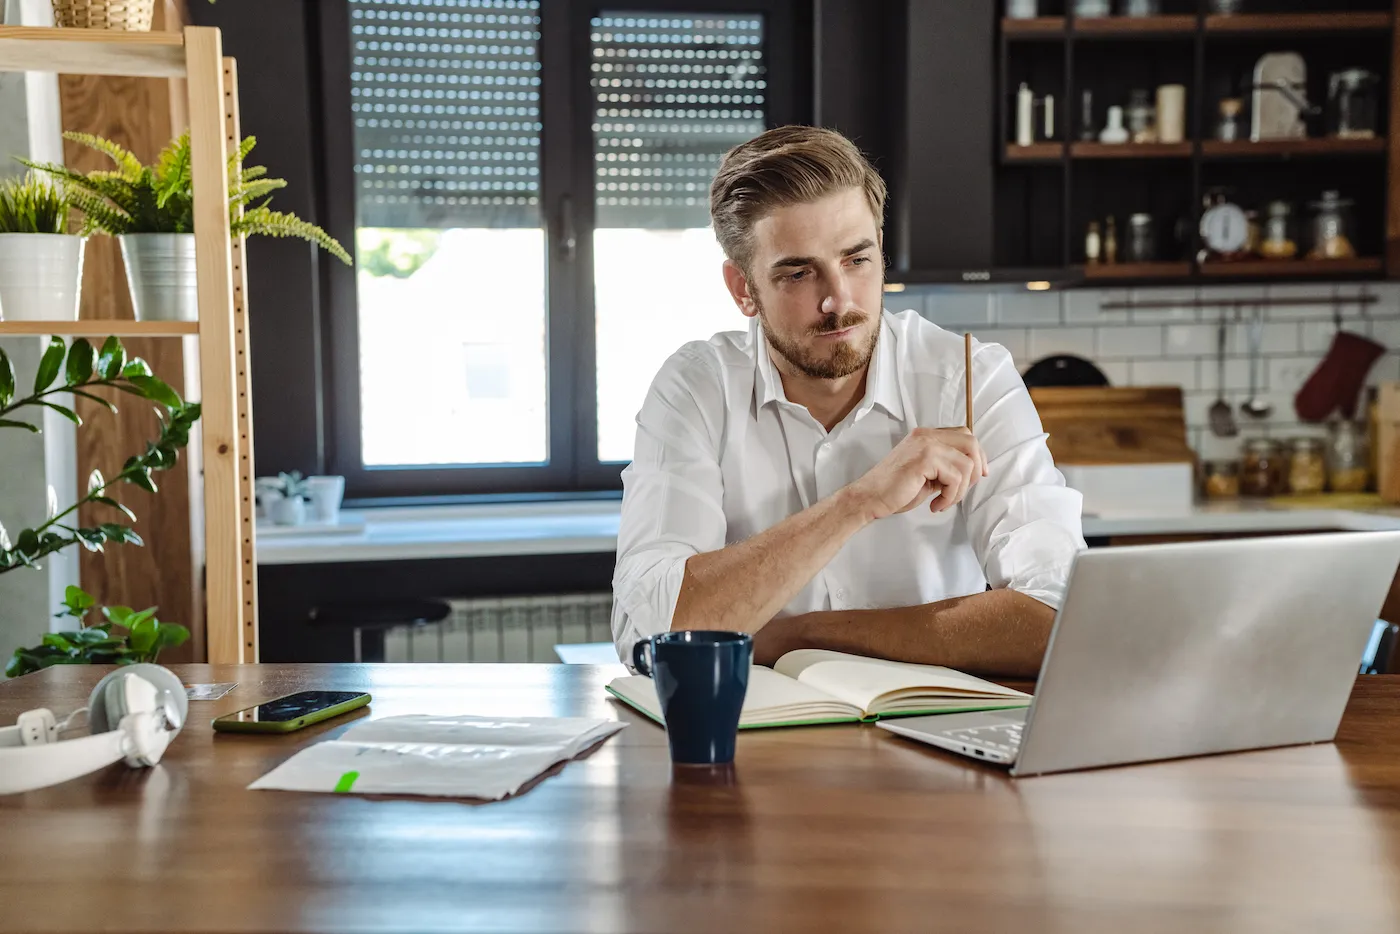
817, 829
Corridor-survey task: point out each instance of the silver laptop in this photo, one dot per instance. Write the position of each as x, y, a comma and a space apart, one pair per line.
1164, 651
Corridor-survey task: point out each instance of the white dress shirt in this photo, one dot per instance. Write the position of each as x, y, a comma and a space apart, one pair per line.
722, 455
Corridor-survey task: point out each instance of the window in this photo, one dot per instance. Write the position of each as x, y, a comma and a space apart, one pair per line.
526, 185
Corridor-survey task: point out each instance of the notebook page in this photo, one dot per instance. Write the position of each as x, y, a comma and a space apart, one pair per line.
771, 698
863, 682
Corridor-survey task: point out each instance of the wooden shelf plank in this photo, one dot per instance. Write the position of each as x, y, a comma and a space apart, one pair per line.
1085, 150
92, 52
97, 328
1041, 27
1299, 22
1251, 269
1244, 149
1101, 271
1136, 26
1035, 152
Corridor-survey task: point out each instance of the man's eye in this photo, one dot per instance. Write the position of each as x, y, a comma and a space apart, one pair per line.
861, 260
797, 276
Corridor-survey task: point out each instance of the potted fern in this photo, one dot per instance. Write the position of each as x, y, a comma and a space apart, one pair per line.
41, 264
150, 210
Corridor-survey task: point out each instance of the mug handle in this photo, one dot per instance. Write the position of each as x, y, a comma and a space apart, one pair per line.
642, 656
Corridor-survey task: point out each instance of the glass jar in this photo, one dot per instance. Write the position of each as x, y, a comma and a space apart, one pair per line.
1278, 241
1142, 239
1261, 472
1348, 470
1307, 466
1331, 228
1353, 104
1228, 128
1221, 479
1142, 117
1091, 9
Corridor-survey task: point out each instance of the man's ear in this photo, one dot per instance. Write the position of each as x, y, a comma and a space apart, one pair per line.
738, 285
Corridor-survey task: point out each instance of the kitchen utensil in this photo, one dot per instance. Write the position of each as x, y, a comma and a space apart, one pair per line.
1221, 416
1353, 104
1280, 97
1171, 113
1087, 131
1255, 407
1224, 230
1064, 370
1125, 425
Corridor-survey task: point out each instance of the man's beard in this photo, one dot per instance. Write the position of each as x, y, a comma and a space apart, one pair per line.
843, 358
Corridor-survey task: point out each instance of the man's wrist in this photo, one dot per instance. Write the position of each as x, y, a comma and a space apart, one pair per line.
854, 507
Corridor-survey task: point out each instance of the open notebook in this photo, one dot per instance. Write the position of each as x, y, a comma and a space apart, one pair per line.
817, 686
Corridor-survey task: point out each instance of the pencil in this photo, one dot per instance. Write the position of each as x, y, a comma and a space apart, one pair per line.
967, 345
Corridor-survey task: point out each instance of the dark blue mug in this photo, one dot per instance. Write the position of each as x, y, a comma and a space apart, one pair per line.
701, 678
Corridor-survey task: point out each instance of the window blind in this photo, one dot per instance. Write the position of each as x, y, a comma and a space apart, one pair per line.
672, 94
446, 108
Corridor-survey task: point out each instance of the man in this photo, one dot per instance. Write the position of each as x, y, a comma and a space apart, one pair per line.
808, 481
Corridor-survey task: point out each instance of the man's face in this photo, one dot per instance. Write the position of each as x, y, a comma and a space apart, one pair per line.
816, 282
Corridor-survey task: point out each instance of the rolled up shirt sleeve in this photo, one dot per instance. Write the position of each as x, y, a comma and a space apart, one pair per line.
1025, 524
672, 499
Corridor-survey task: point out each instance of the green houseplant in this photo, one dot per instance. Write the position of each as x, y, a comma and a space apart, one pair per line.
150, 210
41, 264
79, 369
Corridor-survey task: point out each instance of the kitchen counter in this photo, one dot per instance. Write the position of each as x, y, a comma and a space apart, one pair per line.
424, 532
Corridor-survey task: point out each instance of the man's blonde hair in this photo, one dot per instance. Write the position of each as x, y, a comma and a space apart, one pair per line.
784, 166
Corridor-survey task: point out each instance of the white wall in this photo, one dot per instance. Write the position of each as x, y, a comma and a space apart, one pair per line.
1176, 346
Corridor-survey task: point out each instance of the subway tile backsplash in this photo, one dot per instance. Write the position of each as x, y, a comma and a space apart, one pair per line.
1176, 345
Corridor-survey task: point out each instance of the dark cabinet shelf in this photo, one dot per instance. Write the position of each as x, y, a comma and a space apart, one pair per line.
1035, 152
1135, 26
1251, 23
1102, 272
1268, 269
1041, 27
1130, 150
1244, 149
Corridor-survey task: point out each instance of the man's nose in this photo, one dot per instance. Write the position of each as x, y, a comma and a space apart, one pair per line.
839, 295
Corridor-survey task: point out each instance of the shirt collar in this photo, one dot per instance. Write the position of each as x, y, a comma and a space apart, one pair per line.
881, 385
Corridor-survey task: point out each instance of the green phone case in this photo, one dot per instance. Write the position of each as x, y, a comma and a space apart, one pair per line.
226, 723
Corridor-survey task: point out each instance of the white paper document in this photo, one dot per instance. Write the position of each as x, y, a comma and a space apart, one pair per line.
456, 757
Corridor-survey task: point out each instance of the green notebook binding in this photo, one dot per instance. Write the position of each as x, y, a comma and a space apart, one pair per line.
812, 686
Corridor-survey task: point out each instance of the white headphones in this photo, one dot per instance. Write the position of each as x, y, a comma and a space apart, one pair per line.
133, 714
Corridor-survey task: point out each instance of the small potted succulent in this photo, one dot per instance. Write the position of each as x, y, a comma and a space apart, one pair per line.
41, 264
287, 504
150, 210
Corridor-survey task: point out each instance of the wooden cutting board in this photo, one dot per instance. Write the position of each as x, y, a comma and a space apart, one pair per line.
1113, 425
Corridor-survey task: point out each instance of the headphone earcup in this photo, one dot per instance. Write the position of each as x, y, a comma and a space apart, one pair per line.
108, 702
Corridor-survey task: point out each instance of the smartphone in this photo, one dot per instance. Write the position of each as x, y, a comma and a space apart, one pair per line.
291, 712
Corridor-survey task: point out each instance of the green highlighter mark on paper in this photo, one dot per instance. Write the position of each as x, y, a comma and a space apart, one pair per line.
347, 781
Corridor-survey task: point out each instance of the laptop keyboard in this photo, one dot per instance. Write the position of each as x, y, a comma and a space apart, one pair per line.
1002, 737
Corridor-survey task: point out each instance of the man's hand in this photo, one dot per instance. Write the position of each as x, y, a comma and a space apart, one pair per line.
946, 461
777, 638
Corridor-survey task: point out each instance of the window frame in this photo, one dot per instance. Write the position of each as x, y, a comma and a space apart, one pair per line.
567, 208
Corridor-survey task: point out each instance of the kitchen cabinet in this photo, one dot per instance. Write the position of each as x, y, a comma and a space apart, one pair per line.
929, 89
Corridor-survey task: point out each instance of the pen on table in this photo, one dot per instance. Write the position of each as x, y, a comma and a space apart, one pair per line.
967, 346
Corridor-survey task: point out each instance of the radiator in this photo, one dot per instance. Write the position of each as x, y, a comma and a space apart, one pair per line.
505, 629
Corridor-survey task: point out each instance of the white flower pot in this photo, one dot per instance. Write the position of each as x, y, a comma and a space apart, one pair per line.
160, 272
326, 495
40, 276
289, 510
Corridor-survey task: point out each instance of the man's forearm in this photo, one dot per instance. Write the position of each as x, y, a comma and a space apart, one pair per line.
742, 586
1000, 632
